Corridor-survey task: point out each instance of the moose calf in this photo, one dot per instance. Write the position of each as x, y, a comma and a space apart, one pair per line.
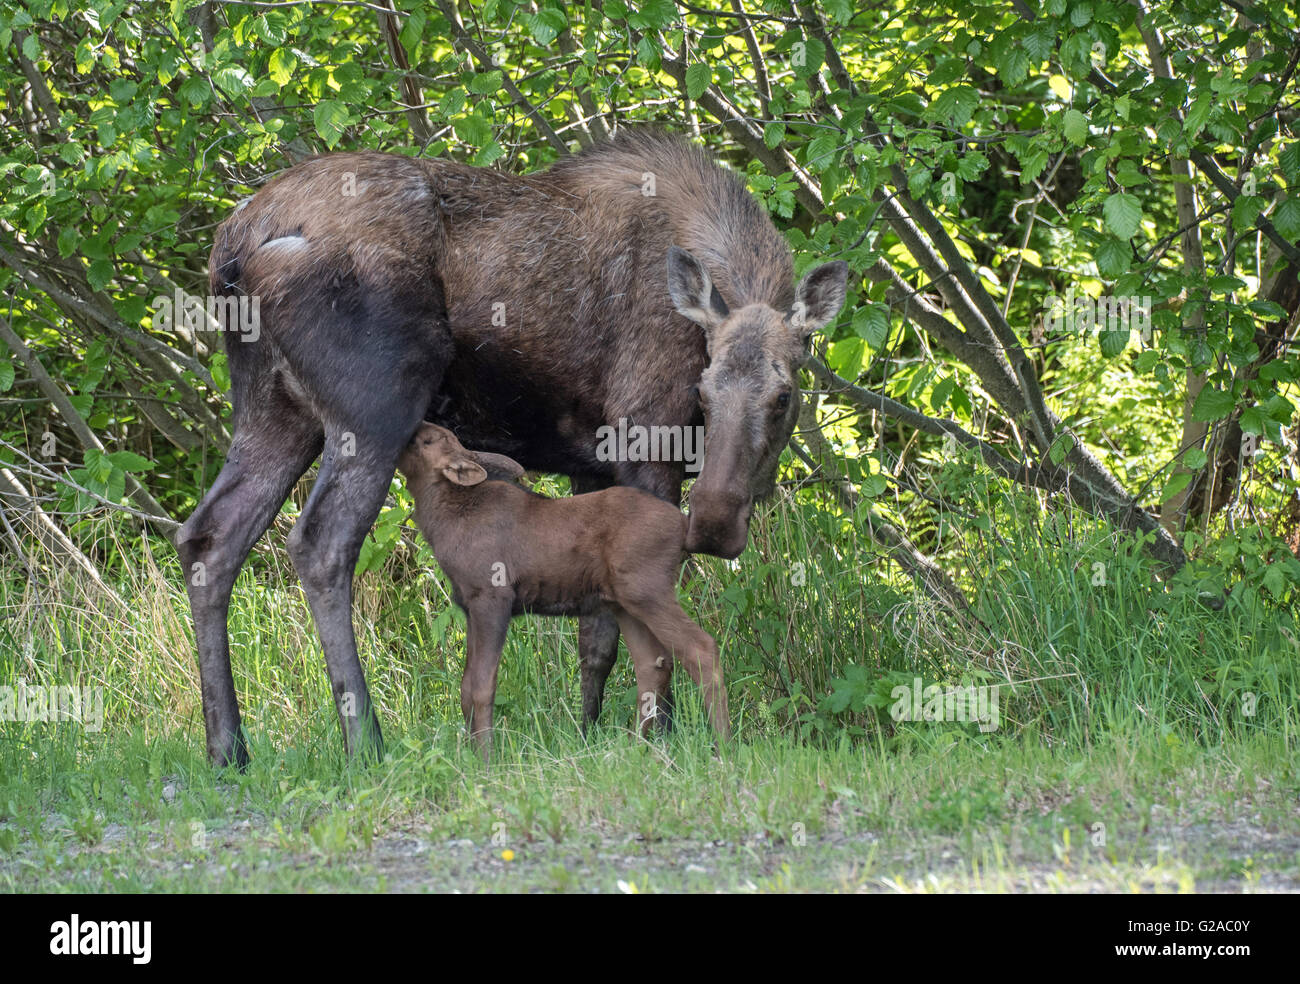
508, 551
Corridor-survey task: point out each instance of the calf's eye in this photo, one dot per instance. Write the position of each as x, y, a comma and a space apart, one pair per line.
783, 401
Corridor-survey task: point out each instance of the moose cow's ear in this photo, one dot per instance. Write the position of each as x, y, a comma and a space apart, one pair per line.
464, 470
818, 298
692, 290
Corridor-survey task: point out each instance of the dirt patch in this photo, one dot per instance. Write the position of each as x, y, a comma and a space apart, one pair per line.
251, 853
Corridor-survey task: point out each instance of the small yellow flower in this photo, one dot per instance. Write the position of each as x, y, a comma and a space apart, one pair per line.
507, 855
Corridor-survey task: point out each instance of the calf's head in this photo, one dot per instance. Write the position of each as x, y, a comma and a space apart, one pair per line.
749, 393
434, 454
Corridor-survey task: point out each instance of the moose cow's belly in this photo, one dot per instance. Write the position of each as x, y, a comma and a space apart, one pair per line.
544, 417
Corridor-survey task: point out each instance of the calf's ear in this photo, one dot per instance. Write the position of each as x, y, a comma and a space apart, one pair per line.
499, 466
461, 469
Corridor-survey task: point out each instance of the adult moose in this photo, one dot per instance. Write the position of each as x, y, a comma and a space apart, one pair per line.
635, 280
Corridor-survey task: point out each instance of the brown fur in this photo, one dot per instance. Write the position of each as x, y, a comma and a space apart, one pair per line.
525, 313
508, 552
591, 333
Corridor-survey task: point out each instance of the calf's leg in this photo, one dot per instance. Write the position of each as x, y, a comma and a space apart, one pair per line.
690, 645
653, 664
485, 638
598, 634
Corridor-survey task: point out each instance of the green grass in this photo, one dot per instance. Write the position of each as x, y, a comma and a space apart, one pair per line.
1146, 742
1142, 814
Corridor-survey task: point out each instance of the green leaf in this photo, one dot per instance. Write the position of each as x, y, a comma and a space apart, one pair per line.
1289, 161
1032, 163
1245, 210
1060, 447
1269, 310
129, 461
115, 485
1113, 257
97, 464
490, 153
1013, 66
474, 129
698, 79
69, 239
846, 357
971, 165
1223, 284
232, 80
823, 151
1198, 114
547, 24
874, 485
1147, 360
807, 57
281, 65
1075, 127
413, 29
1253, 422
773, 133
841, 11
1286, 219
652, 14
6, 375
1039, 42
1112, 343
942, 391
1123, 214
947, 70
99, 273
955, 105
871, 323
485, 83
1212, 404
1177, 482
1276, 580
1195, 459
331, 118
1129, 176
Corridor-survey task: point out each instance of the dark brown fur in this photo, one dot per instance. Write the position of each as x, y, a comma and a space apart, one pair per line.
508, 552
524, 313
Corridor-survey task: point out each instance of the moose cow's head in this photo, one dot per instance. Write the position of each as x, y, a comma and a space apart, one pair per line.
749, 393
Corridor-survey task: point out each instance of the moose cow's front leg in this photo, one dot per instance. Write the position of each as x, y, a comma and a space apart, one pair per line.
597, 649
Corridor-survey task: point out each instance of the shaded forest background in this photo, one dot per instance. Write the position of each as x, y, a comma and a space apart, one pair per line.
969, 170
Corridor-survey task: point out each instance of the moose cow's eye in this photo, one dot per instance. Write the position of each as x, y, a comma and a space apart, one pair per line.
783, 401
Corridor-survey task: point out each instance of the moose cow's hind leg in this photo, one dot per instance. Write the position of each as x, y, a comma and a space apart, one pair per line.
275, 442
325, 544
